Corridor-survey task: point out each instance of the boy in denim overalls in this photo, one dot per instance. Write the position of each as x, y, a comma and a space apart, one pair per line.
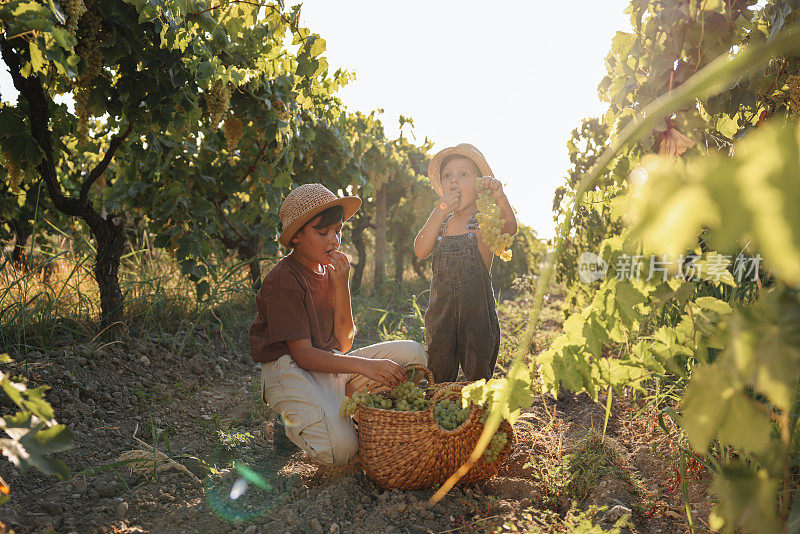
461, 326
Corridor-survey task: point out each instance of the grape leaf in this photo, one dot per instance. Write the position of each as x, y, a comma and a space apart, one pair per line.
746, 498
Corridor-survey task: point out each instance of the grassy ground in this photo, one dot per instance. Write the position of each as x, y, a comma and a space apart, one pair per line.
181, 381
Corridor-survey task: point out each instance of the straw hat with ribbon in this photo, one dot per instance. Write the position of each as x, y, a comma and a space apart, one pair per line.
463, 149
306, 202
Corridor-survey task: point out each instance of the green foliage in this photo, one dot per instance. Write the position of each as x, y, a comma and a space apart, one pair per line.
751, 388
738, 391
747, 197
231, 438
33, 433
594, 220
574, 521
528, 252
214, 117
580, 469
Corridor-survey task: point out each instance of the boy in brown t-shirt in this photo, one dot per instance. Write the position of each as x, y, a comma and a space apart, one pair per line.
304, 325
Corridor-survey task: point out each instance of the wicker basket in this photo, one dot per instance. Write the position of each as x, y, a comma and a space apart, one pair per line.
409, 450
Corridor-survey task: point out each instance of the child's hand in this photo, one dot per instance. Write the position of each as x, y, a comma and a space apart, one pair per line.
384, 371
341, 268
450, 200
493, 185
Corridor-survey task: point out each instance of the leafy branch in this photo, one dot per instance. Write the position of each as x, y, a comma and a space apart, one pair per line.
506, 398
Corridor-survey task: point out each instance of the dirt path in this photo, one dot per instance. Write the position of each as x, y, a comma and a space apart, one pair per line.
203, 410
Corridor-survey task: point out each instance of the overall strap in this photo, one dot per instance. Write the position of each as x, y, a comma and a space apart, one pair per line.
472, 223
443, 227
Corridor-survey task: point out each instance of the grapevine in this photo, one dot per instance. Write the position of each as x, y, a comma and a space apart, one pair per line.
14, 173
89, 43
82, 111
233, 132
491, 225
218, 100
75, 10
89, 50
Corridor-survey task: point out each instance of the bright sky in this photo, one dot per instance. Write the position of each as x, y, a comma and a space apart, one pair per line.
512, 78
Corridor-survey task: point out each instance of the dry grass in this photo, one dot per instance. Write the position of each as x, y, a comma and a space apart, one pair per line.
57, 301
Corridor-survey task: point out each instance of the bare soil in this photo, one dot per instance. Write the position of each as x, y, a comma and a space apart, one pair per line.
202, 408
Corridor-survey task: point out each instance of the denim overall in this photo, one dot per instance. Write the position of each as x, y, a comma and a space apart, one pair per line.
461, 325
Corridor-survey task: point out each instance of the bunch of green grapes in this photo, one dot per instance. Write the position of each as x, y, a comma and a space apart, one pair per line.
218, 100
406, 397
492, 452
403, 406
234, 130
450, 414
89, 51
381, 402
350, 404
89, 43
409, 398
14, 173
491, 225
82, 111
74, 11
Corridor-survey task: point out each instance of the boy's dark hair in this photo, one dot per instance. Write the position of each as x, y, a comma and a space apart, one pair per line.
329, 216
332, 215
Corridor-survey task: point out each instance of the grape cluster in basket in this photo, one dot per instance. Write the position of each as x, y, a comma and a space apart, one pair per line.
492, 452
450, 414
499, 441
409, 397
406, 397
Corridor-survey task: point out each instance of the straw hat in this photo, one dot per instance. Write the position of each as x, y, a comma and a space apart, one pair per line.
306, 202
462, 149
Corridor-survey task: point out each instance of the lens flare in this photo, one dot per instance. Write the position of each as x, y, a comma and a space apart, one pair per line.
239, 488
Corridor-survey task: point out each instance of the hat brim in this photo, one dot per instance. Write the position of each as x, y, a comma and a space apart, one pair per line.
350, 205
435, 166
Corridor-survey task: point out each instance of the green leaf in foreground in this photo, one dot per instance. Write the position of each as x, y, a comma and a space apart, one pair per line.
33, 433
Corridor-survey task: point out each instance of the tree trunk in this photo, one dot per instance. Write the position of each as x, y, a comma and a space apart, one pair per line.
22, 231
380, 237
401, 249
110, 239
255, 275
357, 238
107, 232
249, 253
419, 268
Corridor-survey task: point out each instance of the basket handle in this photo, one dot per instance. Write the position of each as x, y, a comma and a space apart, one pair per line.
447, 391
426, 373
443, 391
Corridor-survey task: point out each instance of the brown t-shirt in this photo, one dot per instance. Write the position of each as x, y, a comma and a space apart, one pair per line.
294, 302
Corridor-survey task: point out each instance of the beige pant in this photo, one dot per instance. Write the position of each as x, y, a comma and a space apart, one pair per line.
309, 401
